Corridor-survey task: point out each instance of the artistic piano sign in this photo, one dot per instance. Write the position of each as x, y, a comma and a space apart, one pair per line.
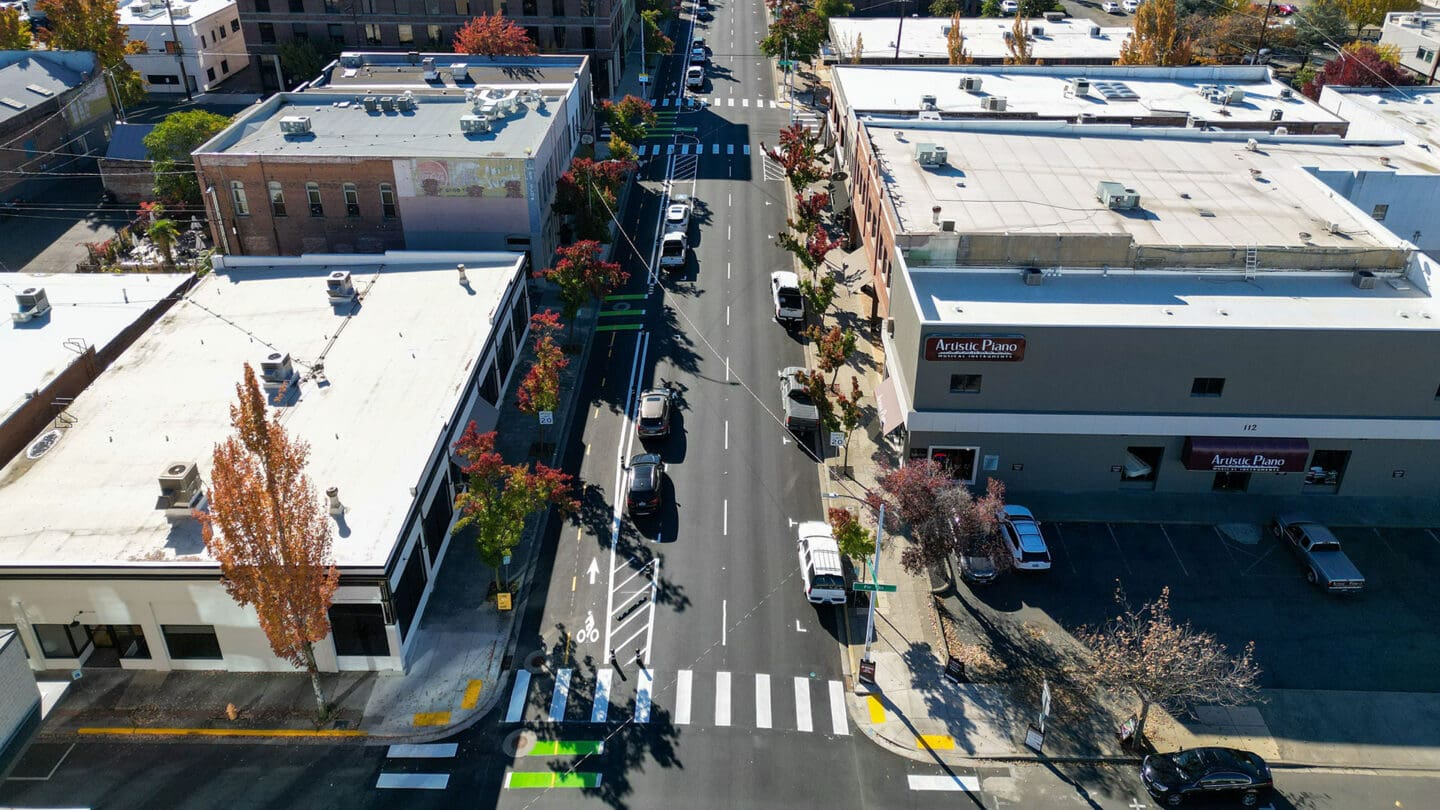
1004, 348
1223, 454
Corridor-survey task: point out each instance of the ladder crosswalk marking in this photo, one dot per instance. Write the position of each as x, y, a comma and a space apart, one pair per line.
517, 696
745, 102
422, 751
837, 709
560, 696
729, 148
413, 781
969, 784
772, 103
802, 705
602, 695
683, 692
762, 701
722, 698
642, 696
747, 148
669, 148
714, 148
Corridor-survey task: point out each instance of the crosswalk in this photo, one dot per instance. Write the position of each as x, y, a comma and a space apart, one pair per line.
720, 101
640, 695
662, 149
410, 780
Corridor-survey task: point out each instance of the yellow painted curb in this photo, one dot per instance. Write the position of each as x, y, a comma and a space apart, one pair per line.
877, 709
472, 695
432, 718
937, 742
224, 732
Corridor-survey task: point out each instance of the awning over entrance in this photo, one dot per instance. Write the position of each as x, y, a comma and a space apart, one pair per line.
1246, 454
887, 398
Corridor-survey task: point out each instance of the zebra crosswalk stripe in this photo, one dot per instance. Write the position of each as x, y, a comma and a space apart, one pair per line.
422, 751
642, 696
722, 698
602, 695
714, 148
802, 705
838, 722
762, 701
560, 695
747, 148
683, 692
517, 696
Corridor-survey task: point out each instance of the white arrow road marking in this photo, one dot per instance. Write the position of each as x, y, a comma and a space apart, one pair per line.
594, 569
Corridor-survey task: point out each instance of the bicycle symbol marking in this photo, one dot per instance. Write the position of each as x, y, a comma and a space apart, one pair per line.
588, 633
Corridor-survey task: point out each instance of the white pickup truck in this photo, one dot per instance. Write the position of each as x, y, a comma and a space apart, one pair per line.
675, 240
785, 295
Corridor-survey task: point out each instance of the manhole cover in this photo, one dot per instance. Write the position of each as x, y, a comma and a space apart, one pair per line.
43, 444
518, 743
535, 662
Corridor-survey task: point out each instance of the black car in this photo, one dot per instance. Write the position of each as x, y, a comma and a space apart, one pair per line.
1207, 773
647, 482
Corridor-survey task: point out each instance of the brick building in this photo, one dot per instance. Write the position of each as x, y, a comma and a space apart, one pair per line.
55, 116
378, 158
604, 30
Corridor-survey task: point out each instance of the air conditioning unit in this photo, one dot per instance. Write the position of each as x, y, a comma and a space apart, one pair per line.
1116, 196
1286, 92
276, 373
1282, 130
1079, 87
1363, 280
1033, 276
31, 303
405, 102
460, 71
295, 124
1195, 122
372, 104
993, 103
1252, 145
1054, 16
339, 287
179, 11
1085, 118
1335, 228
970, 83
1037, 30
1277, 114
180, 489
474, 124
1095, 31
927, 102
945, 30
431, 74
928, 154
947, 225
1234, 95
387, 104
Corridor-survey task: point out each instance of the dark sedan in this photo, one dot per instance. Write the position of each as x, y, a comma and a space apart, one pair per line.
1207, 774
647, 483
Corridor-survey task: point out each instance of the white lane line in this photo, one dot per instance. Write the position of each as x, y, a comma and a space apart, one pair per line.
422, 751
762, 701
560, 696
517, 696
650, 630
802, 705
684, 690
727, 314
642, 696
602, 695
722, 698
838, 724
413, 781
727, 276
968, 784
631, 403
724, 622
727, 434
725, 513
727, 231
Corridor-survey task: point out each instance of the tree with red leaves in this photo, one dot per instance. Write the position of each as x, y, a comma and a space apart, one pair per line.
500, 497
582, 276
943, 517
798, 155
540, 389
813, 248
809, 208
1358, 65
493, 35
588, 192
832, 348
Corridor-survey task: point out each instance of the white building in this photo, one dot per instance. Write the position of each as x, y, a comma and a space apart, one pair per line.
100, 564
1067, 41
1417, 37
211, 45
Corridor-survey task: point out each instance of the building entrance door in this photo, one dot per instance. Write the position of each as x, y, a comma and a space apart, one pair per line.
1231, 482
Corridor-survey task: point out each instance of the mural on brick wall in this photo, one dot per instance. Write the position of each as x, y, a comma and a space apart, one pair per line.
480, 177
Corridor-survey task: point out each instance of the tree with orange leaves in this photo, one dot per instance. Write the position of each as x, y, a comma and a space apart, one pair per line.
268, 531
493, 35
1157, 38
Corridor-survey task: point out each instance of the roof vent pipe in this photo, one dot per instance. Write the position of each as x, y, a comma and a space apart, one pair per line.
935, 215
464, 281
336, 507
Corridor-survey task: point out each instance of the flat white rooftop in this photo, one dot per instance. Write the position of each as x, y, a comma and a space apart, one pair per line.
89, 307
1196, 188
1411, 114
394, 372
1044, 91
140, 13
996, 298
926, 38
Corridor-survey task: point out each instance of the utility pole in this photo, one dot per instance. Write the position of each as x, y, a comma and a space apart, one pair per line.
901, 32
180, 52
874, 577
1265, 23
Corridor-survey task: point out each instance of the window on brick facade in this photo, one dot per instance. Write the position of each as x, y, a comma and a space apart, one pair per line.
299, 31
210, 74
202, 40
559, 32
557, 8
462, 7
434, 34
312, 195
235, 25
587, 8
297, 6
587, 38
222, 34
533, 31
267, 32
162, 78
402, 6
372, 34
1379, 212
237, 196
352, 200
277, 199
336, 32
262, 6
432, 7
1207, 387
387, 201
405, 34
171, 46
368, 6
332, 6
224, 65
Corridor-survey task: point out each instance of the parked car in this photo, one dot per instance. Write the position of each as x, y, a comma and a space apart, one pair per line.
1022, 535
1110, 7
673, 246
645, 494
698, 52
977, 569
1207, 773
677, 214
801, 414
785, 295
654, 416
695, 77
1009, 6
1130, 5
1326, 563
822, 575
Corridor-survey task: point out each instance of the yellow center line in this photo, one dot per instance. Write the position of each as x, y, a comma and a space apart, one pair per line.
573, 580
432, 718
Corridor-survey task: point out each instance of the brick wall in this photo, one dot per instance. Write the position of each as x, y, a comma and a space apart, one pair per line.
127, 181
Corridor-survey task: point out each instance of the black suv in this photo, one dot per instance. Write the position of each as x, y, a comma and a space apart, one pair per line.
1207, 773
647, 482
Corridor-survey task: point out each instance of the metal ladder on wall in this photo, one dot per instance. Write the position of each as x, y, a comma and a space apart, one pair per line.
1252, 262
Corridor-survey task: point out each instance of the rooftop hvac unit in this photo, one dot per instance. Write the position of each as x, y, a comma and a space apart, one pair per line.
993, 103
1007, 35
1095, 31
1282, 130
31, 303
1277, 114
947, 225
1116, 196
928, 154
927, 102
405, 102
1363, 280
1335, 228
180, 489
1286, 92
387, 104
179, 11
460, 71
339, 287
1085, 118
945, 29
1080, 87
295, 124
1234, 95
431, 74
276, 369
1195, 123
1054, 16
1252, 145
474, 124
970, 83
1037, 30
1033, 276
351, 60
372, 104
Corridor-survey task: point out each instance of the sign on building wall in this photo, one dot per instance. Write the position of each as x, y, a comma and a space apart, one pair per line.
478, 177
1004, 348
1245, 455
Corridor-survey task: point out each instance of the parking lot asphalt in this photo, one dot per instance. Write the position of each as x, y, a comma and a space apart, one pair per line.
1241, 584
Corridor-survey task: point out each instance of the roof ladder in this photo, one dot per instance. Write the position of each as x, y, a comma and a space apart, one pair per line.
1252, 261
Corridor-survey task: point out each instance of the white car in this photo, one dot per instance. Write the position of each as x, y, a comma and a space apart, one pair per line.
1009, 6
821, 573
1026, 543
677, 214
1110, 7
785, 295
1130, 5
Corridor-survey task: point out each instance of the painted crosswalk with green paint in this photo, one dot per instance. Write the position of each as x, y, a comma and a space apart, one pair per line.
544, 780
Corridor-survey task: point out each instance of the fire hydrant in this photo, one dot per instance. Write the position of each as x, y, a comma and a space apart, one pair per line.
232, 712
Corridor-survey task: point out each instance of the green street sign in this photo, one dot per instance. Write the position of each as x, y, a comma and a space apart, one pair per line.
874, 587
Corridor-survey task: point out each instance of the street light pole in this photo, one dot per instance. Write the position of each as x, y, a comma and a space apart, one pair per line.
874, 577
179, 52
901, 32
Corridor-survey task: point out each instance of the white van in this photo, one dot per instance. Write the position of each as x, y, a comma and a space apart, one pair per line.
1130, 5
821, 573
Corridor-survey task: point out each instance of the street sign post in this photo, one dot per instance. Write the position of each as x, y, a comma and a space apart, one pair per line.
874, 587
955, 670
867, 671
547, 417
1035, 739
837, 439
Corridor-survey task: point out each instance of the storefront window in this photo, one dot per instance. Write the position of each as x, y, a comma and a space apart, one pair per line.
1141, 464
359, 630
191, 642
964, 383
62, 640
1327, 468
959, 461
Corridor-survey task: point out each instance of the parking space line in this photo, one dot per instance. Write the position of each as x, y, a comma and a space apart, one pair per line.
1116, 541
1225, 544
1433, 536
1176, 551
1059, 535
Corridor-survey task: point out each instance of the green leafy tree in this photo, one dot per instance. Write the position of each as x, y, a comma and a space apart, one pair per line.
946, 8
302, 59
855, 541
832, 348
829, 9
164, 233
631, 117
849, 413
990, 8
94, 25
818, 294
800, 29
1319, 24
656, 43
169, 146
588, 192
14, 31
1364, 13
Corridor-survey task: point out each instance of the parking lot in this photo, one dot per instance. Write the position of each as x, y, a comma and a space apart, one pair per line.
1240, 583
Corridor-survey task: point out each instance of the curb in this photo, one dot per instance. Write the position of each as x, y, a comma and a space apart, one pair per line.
121, 731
